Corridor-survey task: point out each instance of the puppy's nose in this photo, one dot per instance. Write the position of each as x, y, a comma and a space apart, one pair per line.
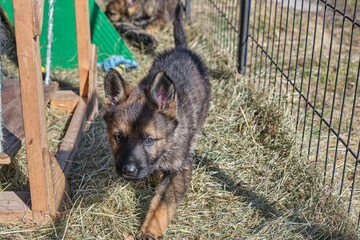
129, 169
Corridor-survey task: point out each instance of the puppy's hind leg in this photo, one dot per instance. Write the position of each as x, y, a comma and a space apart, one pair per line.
169, 194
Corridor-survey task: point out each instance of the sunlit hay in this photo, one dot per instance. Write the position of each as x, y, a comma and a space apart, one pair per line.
249, 180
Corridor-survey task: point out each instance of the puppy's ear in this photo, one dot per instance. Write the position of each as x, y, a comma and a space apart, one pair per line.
163, 93
114, 86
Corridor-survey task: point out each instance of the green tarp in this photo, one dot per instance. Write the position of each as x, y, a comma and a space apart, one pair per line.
64, 48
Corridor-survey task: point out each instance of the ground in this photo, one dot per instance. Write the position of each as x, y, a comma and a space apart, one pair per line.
249, 181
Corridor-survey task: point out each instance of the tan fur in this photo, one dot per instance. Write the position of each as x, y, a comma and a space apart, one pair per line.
163, 205
157, 219
158, 12
153, 127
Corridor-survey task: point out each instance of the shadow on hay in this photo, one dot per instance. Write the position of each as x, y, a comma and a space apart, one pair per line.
93, 173
262, 205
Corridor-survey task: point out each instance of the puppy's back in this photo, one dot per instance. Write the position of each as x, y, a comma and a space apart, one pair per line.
189, 75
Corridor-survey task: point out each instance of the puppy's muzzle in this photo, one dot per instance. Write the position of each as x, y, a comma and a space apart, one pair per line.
129, 169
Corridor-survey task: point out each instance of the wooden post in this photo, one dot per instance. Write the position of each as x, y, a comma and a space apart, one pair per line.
38, 10
93, 86
83, 43
47, 175
32, 99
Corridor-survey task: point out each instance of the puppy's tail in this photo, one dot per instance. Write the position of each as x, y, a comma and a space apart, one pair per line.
179, 33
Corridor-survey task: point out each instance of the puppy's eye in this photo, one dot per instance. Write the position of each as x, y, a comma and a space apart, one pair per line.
149, 141
119, 138
110, 12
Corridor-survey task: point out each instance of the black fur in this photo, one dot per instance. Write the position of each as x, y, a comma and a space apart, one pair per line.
179, 34
170, 106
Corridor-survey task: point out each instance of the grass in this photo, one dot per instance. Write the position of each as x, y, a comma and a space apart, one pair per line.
318, 65
249, 182
309, 52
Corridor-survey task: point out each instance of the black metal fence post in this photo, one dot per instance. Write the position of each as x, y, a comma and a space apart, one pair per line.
187, 10
243, 35
331, 101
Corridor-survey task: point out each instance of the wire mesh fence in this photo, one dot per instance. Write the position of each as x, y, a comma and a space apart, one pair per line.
306, 53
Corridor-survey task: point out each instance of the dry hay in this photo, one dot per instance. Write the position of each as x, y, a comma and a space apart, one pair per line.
249, 180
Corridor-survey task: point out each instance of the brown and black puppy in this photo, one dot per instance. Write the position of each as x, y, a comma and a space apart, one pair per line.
152, 127
137, 20
121, 10
148, 14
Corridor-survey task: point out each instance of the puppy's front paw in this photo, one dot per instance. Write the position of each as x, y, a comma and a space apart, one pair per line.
148, 236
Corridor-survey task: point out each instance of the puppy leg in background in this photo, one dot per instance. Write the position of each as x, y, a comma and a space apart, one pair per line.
137, 37
155, 26
169, 194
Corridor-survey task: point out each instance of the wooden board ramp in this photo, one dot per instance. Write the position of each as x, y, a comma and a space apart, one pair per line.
65, 101
15, 205
47, 174
13, 124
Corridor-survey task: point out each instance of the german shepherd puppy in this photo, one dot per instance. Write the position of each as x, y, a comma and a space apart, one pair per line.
136, 20
152, 14
152, 127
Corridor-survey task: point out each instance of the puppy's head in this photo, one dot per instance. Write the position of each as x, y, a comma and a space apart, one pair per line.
122, 10
140, 122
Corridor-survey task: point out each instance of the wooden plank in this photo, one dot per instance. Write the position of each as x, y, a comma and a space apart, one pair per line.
13, 118
61, 186
72, 137
49, 91
4, 158
86, 109
32, 99
48, 163
38, 10
59, 168
58, 186
64, 101
93, 85
67, 152
83, 43
15, 206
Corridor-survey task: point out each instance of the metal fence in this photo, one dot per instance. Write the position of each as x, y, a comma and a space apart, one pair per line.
306, 53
